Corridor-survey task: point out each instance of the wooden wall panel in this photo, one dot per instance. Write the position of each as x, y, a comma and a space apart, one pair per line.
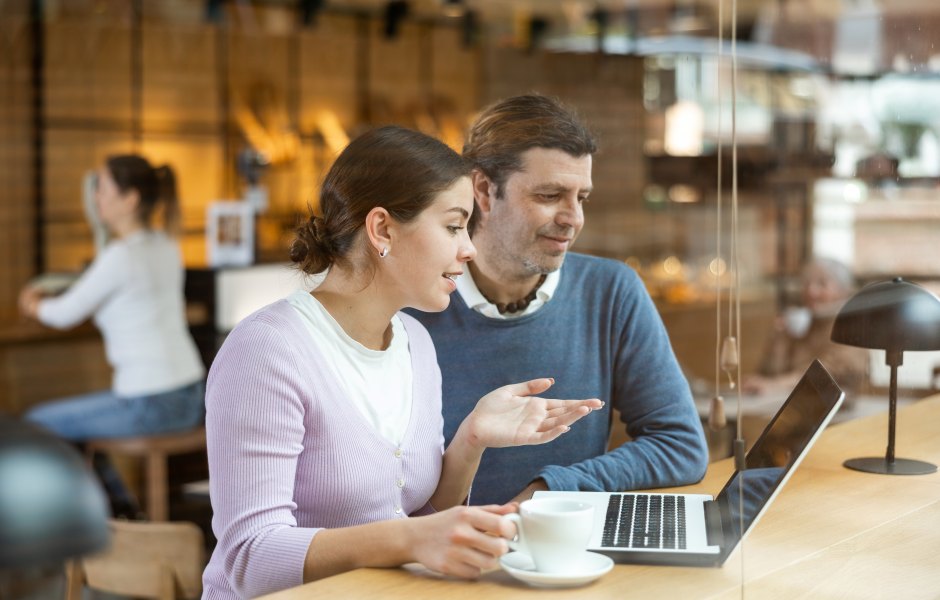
88, 70
454, 85
396, 90
180, 77
327, 72
259, 76
455, 70
16, 211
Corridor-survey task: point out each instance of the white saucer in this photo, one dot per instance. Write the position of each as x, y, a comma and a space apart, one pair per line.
521, 567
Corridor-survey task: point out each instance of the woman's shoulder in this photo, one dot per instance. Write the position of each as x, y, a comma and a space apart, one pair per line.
417, 333
277, 316
268, 335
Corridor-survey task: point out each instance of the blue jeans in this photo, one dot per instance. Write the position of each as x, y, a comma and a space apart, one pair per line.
105, 415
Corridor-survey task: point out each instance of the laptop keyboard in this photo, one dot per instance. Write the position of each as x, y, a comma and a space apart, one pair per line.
645, 521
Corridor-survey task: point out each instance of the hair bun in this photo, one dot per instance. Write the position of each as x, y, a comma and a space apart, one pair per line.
311, 247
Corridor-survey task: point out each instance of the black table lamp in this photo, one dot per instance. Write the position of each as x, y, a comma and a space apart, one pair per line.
51, 506
895, 316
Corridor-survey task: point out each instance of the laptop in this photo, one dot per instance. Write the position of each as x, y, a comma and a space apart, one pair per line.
697, 529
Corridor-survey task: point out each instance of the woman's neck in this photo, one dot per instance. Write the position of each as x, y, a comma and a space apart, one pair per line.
358, 306
124, 230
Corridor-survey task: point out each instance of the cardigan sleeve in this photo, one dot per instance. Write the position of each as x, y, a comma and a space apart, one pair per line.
255, 432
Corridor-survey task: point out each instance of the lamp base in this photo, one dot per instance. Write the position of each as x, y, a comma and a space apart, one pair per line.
900, 466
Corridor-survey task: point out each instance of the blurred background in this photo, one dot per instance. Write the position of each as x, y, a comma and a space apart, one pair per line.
838, 130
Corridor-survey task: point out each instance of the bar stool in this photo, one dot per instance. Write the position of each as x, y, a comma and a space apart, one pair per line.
154, 450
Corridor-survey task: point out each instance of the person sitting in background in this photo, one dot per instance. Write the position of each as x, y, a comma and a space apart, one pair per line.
134, 291
324, 409
801, 334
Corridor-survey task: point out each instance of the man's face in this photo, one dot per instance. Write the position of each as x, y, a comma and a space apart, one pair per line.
539, 213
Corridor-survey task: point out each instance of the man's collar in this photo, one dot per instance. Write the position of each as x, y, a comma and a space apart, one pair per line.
468, 290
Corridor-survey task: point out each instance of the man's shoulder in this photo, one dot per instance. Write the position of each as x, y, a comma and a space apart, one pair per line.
597, 270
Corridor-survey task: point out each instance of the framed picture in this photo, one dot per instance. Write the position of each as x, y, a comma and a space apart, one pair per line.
230, 231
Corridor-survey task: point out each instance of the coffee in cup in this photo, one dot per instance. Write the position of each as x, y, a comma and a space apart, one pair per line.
554, 532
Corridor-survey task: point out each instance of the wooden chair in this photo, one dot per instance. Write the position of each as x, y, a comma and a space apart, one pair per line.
154, 451
145, 560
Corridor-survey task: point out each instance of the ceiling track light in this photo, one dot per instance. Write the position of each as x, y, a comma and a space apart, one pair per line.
538, 27
309, 10
395, 13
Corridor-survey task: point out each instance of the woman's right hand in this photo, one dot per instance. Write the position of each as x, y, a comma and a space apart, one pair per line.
462, 541
29, 301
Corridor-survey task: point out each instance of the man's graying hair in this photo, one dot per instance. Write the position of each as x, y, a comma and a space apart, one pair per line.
505, 130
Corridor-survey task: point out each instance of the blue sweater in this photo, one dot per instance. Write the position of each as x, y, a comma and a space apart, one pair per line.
600, 336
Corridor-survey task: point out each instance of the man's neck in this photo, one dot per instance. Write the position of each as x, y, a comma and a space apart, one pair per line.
498, 286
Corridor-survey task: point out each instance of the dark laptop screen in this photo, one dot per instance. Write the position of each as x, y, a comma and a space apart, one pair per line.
777, 449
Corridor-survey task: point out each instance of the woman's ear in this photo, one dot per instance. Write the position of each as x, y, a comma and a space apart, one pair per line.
378, 230
130, 202
484, 190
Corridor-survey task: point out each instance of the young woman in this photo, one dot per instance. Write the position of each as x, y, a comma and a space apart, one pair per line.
324, 409
134, 292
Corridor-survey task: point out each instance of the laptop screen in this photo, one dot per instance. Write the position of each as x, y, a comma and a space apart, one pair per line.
777, 451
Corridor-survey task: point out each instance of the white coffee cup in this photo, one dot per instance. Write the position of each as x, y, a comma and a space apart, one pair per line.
554, 532
797, 320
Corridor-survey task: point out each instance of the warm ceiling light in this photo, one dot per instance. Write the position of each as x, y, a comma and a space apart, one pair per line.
454, 8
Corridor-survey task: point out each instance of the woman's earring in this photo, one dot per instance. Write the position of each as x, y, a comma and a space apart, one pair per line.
384, 252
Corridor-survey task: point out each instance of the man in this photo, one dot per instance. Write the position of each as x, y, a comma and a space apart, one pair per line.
528, 308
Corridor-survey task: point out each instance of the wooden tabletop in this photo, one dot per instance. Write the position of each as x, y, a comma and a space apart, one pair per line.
831, 533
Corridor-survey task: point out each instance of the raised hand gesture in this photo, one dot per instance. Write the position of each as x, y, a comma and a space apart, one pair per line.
513, 416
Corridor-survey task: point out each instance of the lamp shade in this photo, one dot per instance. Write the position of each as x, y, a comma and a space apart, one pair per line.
51, 506
894, 315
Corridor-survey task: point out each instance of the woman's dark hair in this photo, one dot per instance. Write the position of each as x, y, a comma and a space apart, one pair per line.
391, 167
153, 185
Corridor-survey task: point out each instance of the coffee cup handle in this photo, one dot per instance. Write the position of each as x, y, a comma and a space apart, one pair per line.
518, 542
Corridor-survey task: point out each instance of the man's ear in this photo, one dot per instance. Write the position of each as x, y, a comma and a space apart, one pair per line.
377, 226
484, 190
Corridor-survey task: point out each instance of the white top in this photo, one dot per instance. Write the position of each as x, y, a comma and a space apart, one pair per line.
471, 295
377, 381
134, 290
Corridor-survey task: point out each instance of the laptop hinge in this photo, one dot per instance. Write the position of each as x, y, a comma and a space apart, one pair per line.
715, 535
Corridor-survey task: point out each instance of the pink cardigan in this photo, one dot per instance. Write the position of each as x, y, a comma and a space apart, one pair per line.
288, 455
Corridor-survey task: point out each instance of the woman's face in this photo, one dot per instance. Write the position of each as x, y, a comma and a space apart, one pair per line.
114, 207
429, 253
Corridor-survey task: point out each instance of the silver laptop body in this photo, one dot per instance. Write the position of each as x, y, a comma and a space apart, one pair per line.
697, 529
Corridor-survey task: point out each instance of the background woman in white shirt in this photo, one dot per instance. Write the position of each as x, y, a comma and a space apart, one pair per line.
134, 292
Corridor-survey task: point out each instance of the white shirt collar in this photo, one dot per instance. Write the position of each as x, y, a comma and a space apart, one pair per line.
468, 290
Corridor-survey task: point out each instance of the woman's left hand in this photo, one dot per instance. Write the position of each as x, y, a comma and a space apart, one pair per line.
513, 416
